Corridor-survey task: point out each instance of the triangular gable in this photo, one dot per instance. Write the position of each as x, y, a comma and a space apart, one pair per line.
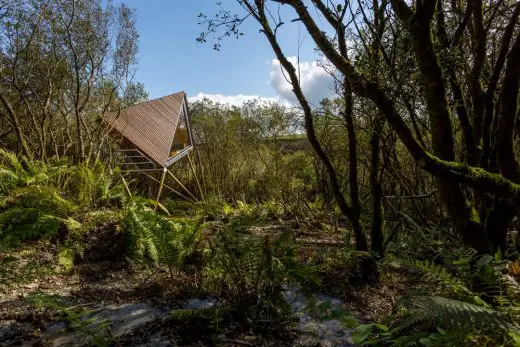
151, 125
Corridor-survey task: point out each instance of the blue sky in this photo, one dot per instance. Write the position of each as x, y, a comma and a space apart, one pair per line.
170, 59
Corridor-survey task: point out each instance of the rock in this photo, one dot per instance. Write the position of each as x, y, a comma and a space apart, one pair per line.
13, 333
199, 304
315, 332
122, 320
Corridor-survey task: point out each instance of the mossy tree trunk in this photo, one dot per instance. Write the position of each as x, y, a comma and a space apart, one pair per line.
479, 182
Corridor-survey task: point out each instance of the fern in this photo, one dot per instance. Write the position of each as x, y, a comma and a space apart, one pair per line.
77, 318
153, 236
138, 222
94, 187
452, 286
19, 172
455, 314
251, 272
46, 199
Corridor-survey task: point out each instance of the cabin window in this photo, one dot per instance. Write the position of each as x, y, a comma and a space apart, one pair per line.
181, 139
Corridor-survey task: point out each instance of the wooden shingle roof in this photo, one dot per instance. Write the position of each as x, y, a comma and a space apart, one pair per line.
151, 125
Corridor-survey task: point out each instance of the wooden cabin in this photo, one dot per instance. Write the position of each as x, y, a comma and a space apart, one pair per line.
153, 134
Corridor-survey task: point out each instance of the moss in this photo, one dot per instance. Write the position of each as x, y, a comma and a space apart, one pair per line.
476, 177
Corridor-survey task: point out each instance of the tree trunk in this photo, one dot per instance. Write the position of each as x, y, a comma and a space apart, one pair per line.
375, 189
361, 242
17, 128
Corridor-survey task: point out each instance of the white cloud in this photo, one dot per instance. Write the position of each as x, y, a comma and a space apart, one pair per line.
315, 81
234, 100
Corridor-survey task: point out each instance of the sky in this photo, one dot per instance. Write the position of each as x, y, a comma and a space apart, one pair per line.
170, 58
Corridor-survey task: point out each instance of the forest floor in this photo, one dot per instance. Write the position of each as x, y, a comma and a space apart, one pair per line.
42, 304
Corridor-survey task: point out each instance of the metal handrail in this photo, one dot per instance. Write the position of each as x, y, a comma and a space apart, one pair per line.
140, 164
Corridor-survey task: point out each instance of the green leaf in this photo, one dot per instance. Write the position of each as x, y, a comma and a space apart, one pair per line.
498, 255
484, 260
66, 257
516, 338
325, 305
349, 322
365, 328
359, 337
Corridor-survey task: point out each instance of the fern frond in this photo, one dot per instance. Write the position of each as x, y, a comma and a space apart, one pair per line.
8, 179
10, 160
47, 199
19, 224
440, 311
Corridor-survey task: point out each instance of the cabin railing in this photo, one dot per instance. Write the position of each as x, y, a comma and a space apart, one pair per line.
135, 160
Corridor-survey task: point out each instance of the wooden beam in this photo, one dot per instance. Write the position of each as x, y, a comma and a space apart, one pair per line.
169, 188
126, 186
196, 178
161, 185
182, 185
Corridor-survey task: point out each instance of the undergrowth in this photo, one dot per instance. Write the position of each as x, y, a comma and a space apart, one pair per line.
456, 299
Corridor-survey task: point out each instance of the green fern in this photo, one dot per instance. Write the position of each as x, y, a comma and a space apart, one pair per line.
250, 272
454, 314
19, 172
451, 285
77, 318
92, 186
138, 222
157, 238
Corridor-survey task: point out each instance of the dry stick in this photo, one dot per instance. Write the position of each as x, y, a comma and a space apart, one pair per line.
196, 178
182, 185
238, 342
421, 196
168, 187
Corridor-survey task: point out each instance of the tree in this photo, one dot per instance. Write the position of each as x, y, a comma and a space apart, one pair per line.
478, 181
65, 65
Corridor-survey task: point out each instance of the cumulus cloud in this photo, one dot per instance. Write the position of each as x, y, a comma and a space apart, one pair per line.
234, 100
315, 81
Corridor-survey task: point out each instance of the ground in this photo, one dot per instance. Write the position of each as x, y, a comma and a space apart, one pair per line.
135, 300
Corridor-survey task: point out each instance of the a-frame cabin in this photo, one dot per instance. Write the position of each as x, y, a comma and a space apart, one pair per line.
153, 135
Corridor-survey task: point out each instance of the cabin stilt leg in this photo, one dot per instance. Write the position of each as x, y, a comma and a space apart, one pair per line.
170, 188
161, 184
126, 186
182, 185
199, 162
196, 178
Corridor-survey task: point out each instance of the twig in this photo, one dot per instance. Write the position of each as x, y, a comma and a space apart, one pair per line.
243, 343
421, 196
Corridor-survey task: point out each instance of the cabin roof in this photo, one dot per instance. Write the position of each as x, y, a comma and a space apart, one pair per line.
151, 125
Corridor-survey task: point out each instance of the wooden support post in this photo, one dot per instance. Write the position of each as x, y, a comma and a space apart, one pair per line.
169, 188
126, 186
201, 172
182, 185
161, 184
196, 178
